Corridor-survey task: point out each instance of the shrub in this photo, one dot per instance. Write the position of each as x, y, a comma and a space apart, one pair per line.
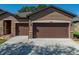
76, 34
2, 40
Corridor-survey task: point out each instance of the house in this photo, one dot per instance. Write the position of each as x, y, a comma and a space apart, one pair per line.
75, 22
51, 22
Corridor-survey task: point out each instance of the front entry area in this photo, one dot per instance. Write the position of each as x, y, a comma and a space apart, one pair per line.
22, 29
50, 30
7, 27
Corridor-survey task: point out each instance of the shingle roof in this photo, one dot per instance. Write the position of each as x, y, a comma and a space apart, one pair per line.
2, 12
65, 11
24, 14
56, 8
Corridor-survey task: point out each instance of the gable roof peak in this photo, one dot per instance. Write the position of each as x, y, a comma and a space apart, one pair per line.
58, 9
61, 9
24, 14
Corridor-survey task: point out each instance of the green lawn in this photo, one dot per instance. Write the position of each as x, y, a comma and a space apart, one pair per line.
2, 40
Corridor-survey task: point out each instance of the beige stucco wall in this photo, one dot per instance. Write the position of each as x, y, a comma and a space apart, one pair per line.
45, 16
1, 27
39, 16
13, 21
76, 27
55, 16
49, 14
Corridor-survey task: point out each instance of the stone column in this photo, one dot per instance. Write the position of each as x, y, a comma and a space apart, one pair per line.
70, 30
30, 29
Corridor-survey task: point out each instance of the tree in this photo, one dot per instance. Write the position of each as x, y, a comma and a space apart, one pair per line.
41, 6
23, 9
32, 9
27, 9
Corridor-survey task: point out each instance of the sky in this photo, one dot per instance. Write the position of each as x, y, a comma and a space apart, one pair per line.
13, 8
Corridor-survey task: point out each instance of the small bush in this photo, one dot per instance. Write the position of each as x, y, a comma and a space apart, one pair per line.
76, 34
2, 40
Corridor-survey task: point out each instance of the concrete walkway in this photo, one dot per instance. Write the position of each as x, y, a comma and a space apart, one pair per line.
42, 41
17, 39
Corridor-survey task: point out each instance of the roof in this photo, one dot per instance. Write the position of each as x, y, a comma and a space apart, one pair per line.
65, 11
27, 14
20, 16
2, 12
56, 8
24, 14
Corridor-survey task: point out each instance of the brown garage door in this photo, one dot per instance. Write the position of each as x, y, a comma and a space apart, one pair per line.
50, 30
22, 29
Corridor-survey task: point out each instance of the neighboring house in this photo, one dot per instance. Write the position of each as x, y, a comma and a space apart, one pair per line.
51, 22
75, 22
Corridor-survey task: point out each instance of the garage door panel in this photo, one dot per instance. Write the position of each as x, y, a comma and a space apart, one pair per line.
49, 30
22, 29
